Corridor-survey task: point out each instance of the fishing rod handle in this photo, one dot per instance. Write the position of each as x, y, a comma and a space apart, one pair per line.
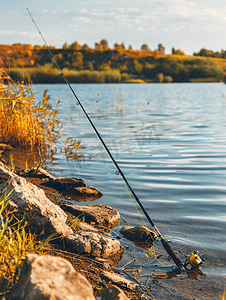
172, 254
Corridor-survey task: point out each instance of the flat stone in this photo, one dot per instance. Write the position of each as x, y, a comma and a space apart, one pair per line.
65, 184
140, 235
84, 242
52, 278
74, 188
98, 214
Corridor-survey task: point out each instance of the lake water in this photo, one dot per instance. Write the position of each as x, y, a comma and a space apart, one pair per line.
170, 142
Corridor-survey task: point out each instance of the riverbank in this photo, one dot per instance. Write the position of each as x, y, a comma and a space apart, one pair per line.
49, 74
97, 267
166, 285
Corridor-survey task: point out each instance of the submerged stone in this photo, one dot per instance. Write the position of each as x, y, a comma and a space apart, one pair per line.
140, 235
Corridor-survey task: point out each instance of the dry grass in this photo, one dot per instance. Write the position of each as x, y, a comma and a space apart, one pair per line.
15, 243
22, 123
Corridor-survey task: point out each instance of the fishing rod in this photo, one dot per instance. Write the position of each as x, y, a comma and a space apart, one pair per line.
165, 243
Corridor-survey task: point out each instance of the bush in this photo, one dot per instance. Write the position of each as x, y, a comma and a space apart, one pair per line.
168, 79
15, 244
22, 123
159, 77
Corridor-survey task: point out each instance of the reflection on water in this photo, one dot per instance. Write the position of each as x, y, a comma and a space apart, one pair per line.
169, 141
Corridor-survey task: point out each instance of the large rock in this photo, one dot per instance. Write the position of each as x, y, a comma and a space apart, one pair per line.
28, 200
92, 243
140, 235
98, 214
52, 278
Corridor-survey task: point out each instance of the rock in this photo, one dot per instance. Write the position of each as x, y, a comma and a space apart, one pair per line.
82, 226
65, 184
5, 174
84, 242
88, 191
52, 278
140, 235
119, 280
74, 187
30, 201
38, 173
98, 214
113, 293
5, 171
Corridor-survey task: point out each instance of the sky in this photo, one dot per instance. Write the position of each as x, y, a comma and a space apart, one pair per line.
182, 24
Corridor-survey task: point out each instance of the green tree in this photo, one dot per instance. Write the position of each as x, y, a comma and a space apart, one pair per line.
77, 60
85, 47
177, 52
90, 66
98, 46
104, 44
161, 48
145, 47
137, 66
159, 77
65, 46
168, 79
119, 47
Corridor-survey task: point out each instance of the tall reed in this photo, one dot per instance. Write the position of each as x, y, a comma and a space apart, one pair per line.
24, 124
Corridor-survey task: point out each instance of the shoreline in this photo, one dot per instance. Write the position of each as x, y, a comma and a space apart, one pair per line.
171, 288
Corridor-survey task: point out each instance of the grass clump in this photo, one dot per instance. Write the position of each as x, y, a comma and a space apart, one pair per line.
22, 123
15, 243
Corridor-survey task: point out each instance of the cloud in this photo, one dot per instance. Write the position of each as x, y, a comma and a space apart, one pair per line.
121, 10
141, 29
83, 11
110, 28
82, 19
130, 9
6, 32
18, 33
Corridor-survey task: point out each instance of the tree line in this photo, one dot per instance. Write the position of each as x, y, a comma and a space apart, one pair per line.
84, 64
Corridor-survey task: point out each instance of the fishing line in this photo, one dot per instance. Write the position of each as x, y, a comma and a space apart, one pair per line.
165, 244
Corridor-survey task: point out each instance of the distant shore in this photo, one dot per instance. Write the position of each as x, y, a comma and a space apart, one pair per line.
51, 75
105, 65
